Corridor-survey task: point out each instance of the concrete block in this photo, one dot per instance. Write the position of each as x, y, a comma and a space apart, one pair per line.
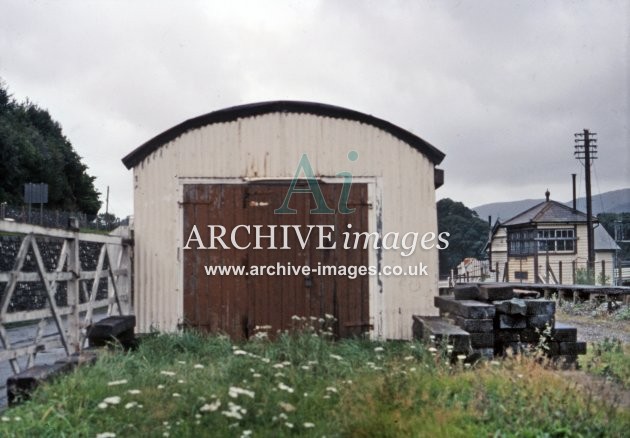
21, 386
572, 348
506, 337
539, 321
482, 340
426, 326
112, 329
495, 292
469, 309
515, 306
564, 333
474, 325
540, 307
529, 335
466, 292
512, 322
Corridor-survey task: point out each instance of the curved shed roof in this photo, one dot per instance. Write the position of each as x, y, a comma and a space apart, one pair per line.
281, 106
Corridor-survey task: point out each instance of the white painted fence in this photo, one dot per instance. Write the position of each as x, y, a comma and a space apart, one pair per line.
71, 319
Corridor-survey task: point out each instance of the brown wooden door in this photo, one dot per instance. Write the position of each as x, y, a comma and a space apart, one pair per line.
236, 304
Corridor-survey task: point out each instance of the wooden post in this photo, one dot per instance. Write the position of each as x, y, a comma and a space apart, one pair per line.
496, 272
603, 275
73, 288
506, 272
573, 268
560, 280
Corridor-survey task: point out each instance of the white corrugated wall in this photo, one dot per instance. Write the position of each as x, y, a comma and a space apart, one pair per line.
270, 146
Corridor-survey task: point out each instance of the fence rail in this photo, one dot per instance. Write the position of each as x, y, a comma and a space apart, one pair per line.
57, 218
72, 292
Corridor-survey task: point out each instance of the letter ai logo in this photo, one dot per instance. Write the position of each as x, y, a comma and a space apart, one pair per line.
304, 166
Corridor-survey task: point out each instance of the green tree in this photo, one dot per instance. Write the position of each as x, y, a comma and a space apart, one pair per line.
468, 233
620, 222
34, 149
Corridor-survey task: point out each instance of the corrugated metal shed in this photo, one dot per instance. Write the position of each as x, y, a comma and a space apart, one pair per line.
262, 144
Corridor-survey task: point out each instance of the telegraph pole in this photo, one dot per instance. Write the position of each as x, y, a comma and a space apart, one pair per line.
586, 152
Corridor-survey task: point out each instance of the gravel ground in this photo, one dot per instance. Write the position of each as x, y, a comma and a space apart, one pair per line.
594, 324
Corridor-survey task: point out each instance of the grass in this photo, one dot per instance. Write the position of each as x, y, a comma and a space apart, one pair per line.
611, 359
302, 384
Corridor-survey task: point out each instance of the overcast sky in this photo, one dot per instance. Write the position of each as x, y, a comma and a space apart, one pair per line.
499, 86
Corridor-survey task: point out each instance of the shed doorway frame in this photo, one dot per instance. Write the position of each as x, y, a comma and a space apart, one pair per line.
375, 224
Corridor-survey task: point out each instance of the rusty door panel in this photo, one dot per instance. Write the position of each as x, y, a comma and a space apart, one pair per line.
234, 304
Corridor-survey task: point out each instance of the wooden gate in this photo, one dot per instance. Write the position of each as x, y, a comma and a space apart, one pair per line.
236, 304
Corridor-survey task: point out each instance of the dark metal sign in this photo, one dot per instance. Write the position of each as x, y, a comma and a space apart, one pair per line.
36, 193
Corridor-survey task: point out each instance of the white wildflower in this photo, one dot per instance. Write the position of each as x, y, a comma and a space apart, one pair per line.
412, 369
408, 358
283, 416
331, 389
130, 405
246, 433
181, 381
308, 425
198, 366
279, 374
211, 407
433, 350
266, 360
296, 318
461, 357
312, 362
176, 394
305, 367
160, 387
167, 373
240, 353
117, 382
106, 435
5, 419
284, 387
235, 391
289, 425
181, 362
114, 400
256, 375
335, 356
328, 316
134, 391
379, 349
278, 365
102, 405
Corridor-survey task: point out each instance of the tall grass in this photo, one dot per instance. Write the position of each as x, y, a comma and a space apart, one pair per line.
304, 384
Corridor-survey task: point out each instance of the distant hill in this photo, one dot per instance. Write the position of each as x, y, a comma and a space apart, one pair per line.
615, 201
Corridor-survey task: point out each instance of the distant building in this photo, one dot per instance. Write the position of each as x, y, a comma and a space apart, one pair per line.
548, 244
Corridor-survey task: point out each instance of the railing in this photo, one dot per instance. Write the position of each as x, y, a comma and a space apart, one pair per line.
58, 218
72, 287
